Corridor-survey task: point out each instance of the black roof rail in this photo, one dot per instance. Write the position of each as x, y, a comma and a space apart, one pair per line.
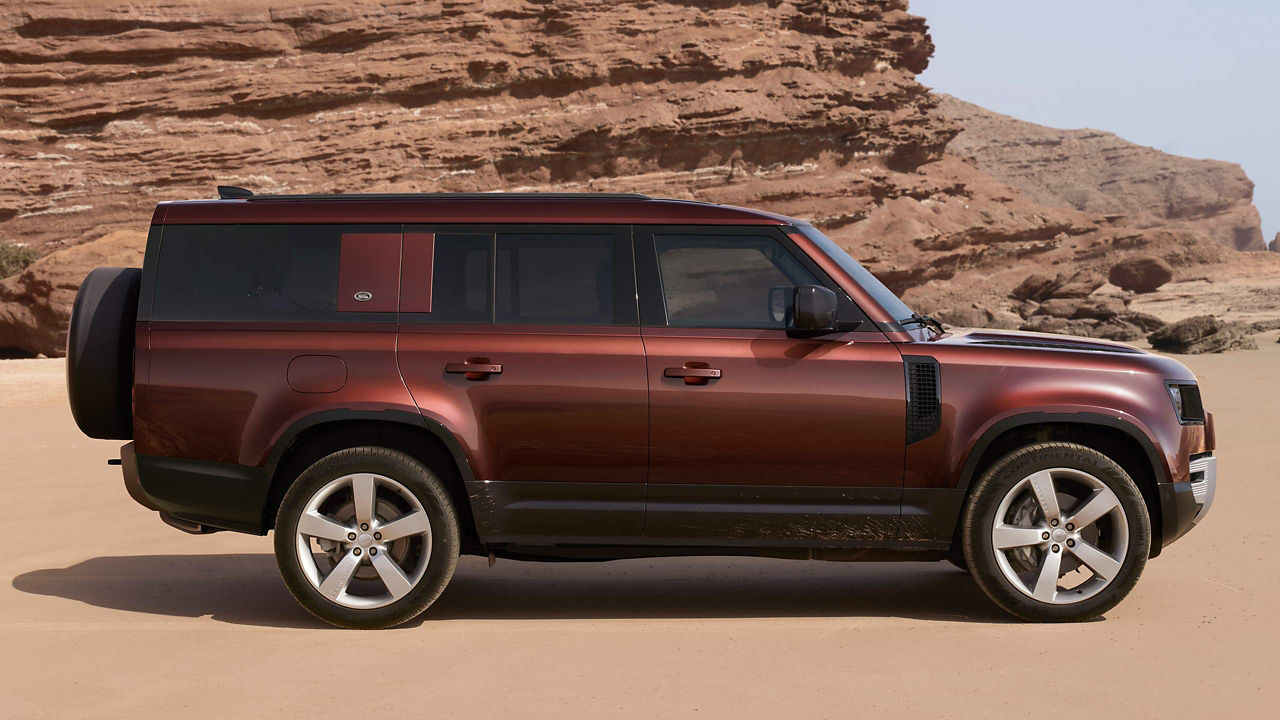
231, 192
442, 196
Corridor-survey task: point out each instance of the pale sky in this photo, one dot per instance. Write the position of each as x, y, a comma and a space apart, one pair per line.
1199, 78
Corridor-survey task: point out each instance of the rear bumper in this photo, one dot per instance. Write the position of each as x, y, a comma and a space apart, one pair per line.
132, 483
195, 495
1183, 505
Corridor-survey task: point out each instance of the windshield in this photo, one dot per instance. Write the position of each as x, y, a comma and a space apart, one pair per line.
873, 287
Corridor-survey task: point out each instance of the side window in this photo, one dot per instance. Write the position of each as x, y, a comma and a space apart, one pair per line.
727, 281
562, 279
255, 272
460, 288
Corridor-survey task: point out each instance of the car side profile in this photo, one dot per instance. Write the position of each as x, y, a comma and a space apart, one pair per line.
391, 381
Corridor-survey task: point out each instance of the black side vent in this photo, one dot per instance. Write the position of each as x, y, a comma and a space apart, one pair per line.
924, 401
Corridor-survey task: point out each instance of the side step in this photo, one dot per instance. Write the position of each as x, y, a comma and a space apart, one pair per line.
187, 526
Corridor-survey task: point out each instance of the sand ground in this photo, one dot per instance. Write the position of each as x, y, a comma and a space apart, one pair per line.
106, 612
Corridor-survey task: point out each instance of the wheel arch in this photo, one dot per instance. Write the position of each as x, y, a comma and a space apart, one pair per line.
1118, 439
314, 436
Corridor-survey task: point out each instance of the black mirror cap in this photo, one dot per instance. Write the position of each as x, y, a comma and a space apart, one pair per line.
813, 311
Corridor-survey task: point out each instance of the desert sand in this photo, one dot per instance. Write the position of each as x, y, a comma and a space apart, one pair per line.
106, 612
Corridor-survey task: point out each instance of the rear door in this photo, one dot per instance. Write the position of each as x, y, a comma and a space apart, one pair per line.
524, 342
756, 436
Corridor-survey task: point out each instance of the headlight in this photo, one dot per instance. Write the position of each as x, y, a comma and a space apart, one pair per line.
1186, 402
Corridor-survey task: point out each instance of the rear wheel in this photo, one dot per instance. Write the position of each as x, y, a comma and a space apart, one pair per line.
366, 538
1056, 532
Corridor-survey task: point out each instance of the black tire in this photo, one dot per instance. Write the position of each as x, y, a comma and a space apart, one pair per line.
979, 518
100, 353
425, 486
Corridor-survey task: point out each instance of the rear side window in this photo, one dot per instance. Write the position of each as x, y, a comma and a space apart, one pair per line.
462, 290
541, 276
555, 279
724, 281
251, 273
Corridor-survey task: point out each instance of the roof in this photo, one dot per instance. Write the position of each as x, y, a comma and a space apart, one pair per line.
439, 208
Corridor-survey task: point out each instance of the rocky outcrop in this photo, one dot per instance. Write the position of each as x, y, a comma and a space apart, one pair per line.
105, 110
35, 305
1203, 334
807, 109
1140, 274
1100, 173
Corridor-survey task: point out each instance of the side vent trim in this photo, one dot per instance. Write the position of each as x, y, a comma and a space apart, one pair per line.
924, 397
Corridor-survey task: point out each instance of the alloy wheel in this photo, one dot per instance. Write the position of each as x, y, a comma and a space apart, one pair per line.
1060, 536
363, 541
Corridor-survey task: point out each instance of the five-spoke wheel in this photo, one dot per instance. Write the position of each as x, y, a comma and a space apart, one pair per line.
366, 537
1056, 531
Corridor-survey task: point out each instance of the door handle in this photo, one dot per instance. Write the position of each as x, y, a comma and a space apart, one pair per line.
474, 368
693, 373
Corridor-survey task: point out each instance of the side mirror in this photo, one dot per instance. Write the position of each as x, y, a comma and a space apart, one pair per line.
813, 311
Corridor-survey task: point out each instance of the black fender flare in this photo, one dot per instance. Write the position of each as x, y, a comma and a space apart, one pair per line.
401, 417
1043, 418
1158, 520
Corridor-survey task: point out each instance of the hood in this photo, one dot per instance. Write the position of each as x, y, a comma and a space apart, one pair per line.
1045, 341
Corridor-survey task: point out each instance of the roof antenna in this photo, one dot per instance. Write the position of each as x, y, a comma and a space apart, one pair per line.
231, 192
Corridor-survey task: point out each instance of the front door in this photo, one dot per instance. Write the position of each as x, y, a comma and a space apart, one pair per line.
756, 436
525, 344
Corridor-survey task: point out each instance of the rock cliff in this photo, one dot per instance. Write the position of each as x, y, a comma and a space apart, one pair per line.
804, 107
107, 109
1103, 174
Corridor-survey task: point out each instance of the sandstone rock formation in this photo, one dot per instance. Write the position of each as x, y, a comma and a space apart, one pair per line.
808, 109
109, 108
1103, 174
35, 305
1203, 334
1140, 274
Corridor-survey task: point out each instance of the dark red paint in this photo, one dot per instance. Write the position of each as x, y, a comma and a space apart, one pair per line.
369, 272
597, 405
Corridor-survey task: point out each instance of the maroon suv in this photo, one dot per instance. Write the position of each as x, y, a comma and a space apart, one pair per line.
391, 380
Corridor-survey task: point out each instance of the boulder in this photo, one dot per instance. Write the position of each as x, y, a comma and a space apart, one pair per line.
1265, 326
1116, 329
1101, 308
1045, 324
1036, 287
963, 317
1004, 320
1202, 334
975, 317
1083, 328
1078, 286
1027, 308
1146, 321
1141, 274
35, 305
1059, 307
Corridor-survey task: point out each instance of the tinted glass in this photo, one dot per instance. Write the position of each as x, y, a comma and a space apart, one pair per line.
727, 281
250, 272
461, 290
556, 279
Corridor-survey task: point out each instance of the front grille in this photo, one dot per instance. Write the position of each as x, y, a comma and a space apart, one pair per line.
924, 400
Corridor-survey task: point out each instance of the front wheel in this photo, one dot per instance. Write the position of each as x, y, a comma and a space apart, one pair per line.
366, 538
1056, 532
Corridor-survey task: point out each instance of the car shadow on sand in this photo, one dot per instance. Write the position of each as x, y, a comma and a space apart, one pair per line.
246, 589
